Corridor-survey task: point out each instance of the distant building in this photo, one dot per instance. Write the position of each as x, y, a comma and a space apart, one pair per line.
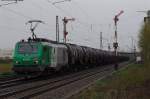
6, 53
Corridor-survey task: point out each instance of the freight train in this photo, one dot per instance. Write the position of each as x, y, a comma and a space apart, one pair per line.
39, 55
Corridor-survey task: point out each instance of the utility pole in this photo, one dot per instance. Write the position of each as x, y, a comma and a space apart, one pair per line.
109, 48
133, 46
101, 41
57, 29
65, 33
115, 44
91, 27
135, 52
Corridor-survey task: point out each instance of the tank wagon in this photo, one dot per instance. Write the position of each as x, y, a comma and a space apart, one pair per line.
38, 55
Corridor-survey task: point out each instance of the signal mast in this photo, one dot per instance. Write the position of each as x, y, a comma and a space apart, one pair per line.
65, 33
115, 44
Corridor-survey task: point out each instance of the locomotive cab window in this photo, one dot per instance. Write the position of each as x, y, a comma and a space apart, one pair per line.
27, 48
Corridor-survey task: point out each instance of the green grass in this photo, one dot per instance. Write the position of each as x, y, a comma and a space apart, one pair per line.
5, 68
130, 83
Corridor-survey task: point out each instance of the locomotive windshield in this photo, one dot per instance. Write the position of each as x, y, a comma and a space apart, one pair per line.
27, 48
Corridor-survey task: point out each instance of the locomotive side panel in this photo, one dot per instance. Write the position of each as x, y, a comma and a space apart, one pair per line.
62, 57
59, 56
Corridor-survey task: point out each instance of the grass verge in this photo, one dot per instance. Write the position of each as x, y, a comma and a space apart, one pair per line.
5, 68
130, 83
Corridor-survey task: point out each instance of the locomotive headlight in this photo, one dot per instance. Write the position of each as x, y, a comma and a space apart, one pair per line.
17, 62
36, 62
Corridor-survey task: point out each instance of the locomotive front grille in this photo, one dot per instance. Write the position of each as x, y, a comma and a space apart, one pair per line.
26, 68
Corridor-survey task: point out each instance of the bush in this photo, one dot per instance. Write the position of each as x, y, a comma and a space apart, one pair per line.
5, 60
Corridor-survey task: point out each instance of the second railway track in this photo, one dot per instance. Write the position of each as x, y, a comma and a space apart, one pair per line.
33, 89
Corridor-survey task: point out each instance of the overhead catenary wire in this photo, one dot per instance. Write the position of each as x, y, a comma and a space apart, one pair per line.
60, 1
8, 4
17, 13
69, 14
12, 2
91, 25
40, 7
83, 11
23, 15
37, 5
12, 28
28, 17
60, 9
78, 21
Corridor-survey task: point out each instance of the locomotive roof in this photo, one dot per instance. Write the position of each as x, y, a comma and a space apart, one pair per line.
54, 42
40, 40
50, 41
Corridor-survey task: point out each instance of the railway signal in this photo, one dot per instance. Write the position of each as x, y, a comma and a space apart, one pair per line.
65, 33
32, 28
115, 44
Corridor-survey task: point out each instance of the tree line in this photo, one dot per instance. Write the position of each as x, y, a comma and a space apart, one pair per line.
144, 42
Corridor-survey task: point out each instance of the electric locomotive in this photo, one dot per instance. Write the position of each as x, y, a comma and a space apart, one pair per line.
37, 55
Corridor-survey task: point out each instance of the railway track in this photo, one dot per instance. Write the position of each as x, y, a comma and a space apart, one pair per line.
9, 80
20, 81
35, 89
2, 79
25, 91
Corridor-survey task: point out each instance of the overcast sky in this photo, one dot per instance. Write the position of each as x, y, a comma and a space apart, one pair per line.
98, 13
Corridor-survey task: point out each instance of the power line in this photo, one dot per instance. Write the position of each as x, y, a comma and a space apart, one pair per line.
65, 12
82, 10
76, 5
13, 28
60, 1
14, 2
18, 13
36, 5
25, 16
62, 10
28, 17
